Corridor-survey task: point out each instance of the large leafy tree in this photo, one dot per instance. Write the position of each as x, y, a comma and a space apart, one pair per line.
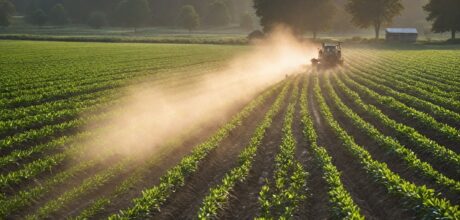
133, 13
6, 10
97, 19
445, 15
246, 22
37, 17
218, 14
375, 13
58, 15
188, 18
299, 15
319, 16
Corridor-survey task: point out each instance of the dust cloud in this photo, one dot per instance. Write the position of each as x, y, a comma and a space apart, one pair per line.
150, 117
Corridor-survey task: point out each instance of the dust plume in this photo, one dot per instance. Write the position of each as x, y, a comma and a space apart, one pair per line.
151, 116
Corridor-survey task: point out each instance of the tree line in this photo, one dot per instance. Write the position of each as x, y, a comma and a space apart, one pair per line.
316, 15
130, 13
300, 15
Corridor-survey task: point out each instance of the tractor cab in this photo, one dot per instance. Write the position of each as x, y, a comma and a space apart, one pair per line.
330, 54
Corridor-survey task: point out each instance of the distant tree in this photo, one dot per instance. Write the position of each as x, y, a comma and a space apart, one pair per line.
319, 15
445, 15
299, 15
367, 13
246, 22
133, 13
58, 15
37, 17
188, 18
97, 19
218, 14
6, 10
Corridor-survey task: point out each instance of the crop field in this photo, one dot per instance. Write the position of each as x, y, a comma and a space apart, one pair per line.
376, 138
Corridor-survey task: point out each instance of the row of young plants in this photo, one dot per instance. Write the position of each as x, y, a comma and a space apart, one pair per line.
218, 195
389, 143
50, 80
442, 66
386, 86
22, 119
39, 98
282, 199
91, 82
175, 177
420, 118
418, 198
137, 176
40, 159
101, 203
29, 171
405, 77
26, 197
384, 82
404, 132
15, 157
73, 66
86, 187
55, 106
33, 122
48, 133
429, 85
417, 69
340, 200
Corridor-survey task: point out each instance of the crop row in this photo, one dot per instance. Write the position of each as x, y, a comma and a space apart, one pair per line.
153, 198
379, 83
420, 199
289, 190
420, 118
404, 78
414, 68
86, 187
218, 196
342, 204
390, 143
439, 152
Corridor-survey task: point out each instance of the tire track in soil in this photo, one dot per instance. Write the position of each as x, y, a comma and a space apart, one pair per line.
316, 205
157, 170
395, 163
372, 199
441, 167
243, 202
186, 201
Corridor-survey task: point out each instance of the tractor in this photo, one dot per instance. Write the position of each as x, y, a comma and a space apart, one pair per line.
329, 55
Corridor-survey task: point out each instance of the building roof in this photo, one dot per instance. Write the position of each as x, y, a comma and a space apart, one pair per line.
402, 30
